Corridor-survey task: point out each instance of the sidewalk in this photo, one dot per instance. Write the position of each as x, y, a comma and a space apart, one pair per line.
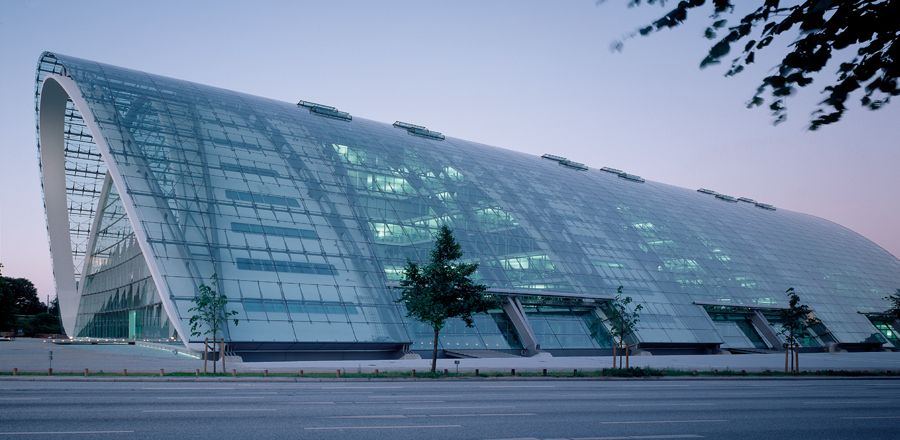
34, 355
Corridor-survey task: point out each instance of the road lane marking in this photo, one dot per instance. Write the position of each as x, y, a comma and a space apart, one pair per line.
427, 416
340, 428
626, 437
398, 402
358, 387
65, 432
20, 398
459, 407
639, 422
206, 410
871, 417
209, 397
844, 402
181, 388
516, 386
635, 437
665, 404
384, 416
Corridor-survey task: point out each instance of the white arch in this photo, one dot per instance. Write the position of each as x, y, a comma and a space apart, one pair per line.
55, 91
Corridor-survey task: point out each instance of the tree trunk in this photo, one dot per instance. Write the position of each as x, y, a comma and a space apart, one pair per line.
215, 339
627, 356
786, 354
797, 359
434, 351
615, 344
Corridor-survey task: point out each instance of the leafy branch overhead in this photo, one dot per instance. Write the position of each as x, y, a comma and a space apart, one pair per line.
868, 30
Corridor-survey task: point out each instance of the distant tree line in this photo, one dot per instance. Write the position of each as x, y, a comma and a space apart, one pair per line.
21, 309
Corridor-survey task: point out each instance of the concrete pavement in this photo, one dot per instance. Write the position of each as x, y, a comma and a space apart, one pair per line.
33, 355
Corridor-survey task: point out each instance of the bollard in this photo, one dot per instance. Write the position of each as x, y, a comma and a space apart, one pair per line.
544, 372
197, 372
233, 372
266, 373
162, 371
125, 372
49, 372
86, 372
15, 371
512, 372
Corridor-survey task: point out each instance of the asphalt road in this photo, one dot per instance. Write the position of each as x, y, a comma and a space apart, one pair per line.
483, 409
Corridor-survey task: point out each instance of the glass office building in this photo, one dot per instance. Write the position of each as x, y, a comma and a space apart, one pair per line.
307, 216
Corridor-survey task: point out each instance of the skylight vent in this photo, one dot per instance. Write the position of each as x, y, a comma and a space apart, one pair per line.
418, 130
325, 110
746, 199
765, 206
574, 165
726, 198
707, 191
631, 177
553, 157
611, 170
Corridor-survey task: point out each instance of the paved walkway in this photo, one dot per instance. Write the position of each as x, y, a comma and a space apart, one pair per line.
34, 355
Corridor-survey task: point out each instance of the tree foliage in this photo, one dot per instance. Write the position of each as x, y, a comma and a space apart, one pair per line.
894, 309
443, 289
796, 318
623, 319
862, 34
18, 296
209, 311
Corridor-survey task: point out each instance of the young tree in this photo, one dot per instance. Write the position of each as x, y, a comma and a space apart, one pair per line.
864, 35
443, 289
794, 322
894, 310
210, 315
623, 320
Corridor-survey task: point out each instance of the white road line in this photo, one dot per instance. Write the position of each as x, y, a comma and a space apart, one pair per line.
648, 437
479, 415
871, 418
458, 407
516, 386
358, 388
206, 410
20, 398
209, 397
183, 388
641, 422
384, 416
398, 402
340, 428
844, 402
665, 404
427, 416
65, 432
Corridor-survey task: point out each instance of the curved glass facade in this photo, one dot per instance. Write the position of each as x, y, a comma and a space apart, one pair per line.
307, 215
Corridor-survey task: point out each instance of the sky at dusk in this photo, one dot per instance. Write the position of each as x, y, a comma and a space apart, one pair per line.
531, 76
